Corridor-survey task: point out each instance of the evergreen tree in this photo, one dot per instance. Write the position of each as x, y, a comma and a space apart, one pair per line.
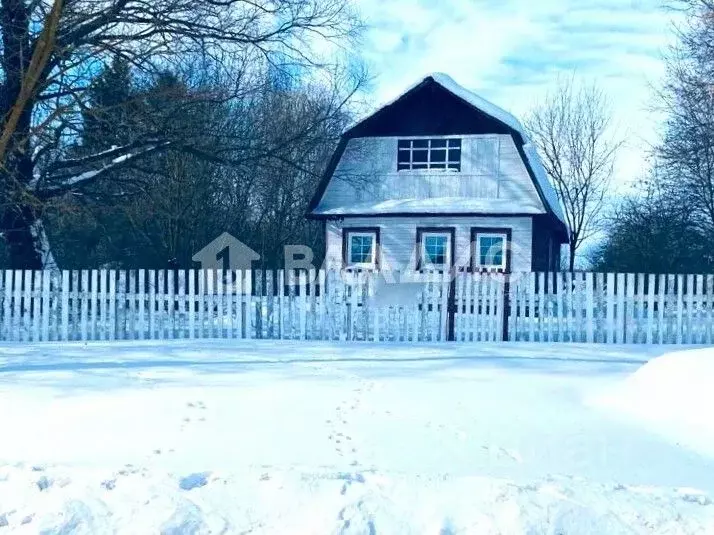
107, 121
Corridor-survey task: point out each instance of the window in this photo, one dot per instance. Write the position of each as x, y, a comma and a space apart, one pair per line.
361, 248
434, 248
442, 154
490, 250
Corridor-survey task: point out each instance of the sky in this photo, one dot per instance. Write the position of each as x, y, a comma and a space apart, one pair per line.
512, 52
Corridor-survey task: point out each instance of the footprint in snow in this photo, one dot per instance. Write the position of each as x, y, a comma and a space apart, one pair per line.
194, 481
44, 483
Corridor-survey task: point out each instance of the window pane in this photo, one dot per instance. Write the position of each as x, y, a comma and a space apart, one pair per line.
438, 143
438, 155
491, 251
455, 166
403, 166
403, 156
435, 250
455, 155
420, 143
420, 156
455, 143
420, 166
405, 143
361, 249
438, 165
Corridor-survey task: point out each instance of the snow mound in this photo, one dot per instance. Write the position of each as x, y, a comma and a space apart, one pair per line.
673, 394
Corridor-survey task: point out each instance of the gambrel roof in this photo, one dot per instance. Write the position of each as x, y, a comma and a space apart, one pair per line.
507, 124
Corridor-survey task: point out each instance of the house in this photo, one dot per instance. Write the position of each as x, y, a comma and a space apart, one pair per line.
439, 177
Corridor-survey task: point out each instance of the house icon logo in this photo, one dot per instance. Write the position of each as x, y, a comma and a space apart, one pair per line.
226, 252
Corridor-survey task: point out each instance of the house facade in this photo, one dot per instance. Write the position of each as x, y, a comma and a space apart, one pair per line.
439, 178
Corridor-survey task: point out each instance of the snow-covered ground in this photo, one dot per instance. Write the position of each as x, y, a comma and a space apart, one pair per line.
252, 437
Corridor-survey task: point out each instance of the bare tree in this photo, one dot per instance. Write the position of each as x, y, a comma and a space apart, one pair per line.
686, 152
170, 204
39, 166
572, 129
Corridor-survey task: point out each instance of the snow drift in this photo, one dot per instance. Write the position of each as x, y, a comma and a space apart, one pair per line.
674, 395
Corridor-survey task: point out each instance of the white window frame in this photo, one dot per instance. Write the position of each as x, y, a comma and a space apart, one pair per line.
504, 252
363, 265
422, 249
429, 150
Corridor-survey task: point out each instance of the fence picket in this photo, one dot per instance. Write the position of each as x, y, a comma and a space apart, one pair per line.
151, 319
600, 305
248, 295
230, 292
7, 305
16, 304
131, 306
650, 308
709, 314
45, 306
680, 307
629, 310
589, 309
65, 305
238, 298
488, 305
689, 316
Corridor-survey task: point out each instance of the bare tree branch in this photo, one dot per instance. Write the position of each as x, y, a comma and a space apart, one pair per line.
572, 129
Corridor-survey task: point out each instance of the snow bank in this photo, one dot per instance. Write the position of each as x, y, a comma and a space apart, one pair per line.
134, 500
673, 394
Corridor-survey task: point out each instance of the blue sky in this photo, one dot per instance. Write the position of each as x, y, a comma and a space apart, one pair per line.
512, 51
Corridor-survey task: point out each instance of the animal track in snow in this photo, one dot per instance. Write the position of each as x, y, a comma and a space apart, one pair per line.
339, 425
193, 416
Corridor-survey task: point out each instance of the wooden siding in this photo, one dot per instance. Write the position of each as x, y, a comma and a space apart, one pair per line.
546, 245
398, 237
367, 173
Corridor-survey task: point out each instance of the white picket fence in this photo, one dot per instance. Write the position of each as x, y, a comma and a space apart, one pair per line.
612, 308
473, 307
149, 304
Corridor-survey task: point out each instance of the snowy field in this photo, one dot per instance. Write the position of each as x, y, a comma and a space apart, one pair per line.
250, 437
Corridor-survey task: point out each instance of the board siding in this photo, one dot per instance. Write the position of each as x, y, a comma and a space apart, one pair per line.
367, 173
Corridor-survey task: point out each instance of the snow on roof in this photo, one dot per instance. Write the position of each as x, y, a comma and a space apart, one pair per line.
551, 197
490, 109
448, 83
454, 205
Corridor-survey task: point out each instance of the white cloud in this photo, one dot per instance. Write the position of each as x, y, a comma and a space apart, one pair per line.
512, 51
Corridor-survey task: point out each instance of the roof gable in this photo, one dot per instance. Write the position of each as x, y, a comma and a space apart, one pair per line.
428, 109
416, 113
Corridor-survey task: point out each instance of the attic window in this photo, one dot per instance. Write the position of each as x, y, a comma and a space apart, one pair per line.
419, 154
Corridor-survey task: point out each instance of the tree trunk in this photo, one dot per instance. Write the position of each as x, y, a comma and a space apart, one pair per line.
571, 257
24, 249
